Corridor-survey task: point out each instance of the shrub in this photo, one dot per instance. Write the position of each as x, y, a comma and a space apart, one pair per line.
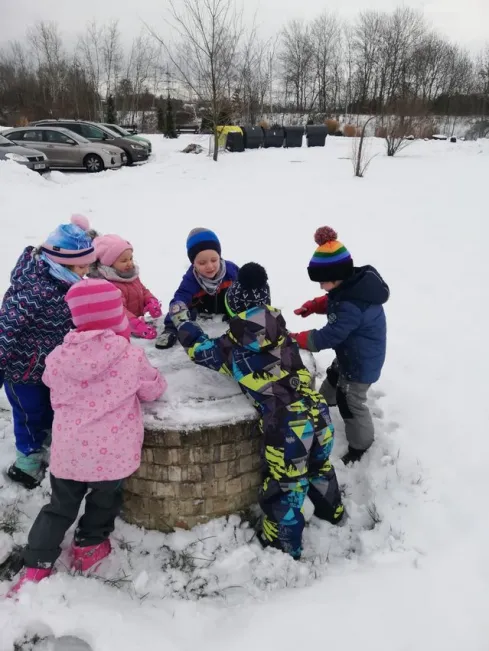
264, 124
332, 125
350, 130
381, 132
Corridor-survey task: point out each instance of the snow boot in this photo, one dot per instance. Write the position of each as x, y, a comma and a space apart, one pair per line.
84, 558
167, 339
23, 478
264, 542
352, 456
30, 575
13, 564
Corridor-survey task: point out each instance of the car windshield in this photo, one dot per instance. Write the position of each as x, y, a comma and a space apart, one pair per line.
114, 134
4, 142
75, 136
117, 129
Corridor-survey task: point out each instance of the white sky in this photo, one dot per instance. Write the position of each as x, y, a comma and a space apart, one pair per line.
466, 22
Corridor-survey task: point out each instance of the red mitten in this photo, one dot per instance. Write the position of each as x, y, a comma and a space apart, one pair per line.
153, 307
141, 329
318, 305
301, 338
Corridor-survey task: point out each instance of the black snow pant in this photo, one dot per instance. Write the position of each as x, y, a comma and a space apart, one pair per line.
102, 505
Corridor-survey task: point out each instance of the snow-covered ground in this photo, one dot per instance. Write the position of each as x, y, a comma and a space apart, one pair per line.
410, 570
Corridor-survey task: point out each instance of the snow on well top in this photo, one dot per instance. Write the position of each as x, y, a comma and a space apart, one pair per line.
197, 397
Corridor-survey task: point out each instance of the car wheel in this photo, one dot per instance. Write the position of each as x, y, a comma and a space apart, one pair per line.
130, 160
93, 163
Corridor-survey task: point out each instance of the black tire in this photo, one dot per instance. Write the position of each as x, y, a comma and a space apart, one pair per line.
130, 160
93, 163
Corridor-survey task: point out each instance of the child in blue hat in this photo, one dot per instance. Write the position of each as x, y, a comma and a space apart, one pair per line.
204, 286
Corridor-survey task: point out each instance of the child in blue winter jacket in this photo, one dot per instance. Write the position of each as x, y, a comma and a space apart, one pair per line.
356, 330
204, 286
34, 318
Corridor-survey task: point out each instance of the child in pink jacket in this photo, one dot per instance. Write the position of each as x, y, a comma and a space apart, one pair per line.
97, 380
115, 263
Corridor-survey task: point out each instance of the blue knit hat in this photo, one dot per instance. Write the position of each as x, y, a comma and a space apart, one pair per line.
202, 239
69, 244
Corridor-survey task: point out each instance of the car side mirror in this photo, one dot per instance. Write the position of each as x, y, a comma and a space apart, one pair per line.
72, 142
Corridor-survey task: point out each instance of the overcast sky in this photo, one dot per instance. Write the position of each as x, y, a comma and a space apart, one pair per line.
466, 22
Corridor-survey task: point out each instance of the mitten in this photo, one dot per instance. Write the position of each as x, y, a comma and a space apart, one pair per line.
301, 338
153, 307
318, 305
167, 339
141, 329
179, 314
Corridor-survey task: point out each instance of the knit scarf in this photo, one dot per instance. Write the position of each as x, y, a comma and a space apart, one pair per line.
59, 271
211, 285
110, 274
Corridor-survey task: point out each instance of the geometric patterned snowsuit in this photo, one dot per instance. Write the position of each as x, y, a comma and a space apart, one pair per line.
297, 430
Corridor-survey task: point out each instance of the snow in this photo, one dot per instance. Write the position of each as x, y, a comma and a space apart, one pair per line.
409, 571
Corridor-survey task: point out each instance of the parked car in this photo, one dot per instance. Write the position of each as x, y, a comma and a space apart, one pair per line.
32, 158
94, 132
126, 134
66, 149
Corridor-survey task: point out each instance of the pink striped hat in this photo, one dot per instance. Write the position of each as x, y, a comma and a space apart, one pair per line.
96, 304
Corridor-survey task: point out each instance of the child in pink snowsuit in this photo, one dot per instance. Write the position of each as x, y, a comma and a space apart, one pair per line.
97, 380
115, 263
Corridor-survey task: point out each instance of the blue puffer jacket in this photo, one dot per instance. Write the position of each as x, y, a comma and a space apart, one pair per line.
197, 299
34, 318
356, 328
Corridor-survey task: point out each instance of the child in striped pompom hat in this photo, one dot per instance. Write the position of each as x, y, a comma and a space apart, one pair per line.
356, 331
98, 380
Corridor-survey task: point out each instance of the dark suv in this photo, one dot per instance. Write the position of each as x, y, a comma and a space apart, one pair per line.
135, 152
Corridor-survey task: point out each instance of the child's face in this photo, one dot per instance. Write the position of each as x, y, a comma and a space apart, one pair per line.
329, 286
80, 270
124, 262
207, 263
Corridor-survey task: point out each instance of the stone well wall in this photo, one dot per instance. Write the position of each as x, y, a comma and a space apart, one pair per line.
187, 478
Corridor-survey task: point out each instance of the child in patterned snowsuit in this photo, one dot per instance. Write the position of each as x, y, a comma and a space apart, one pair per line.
297, 430
34, 318
204, 286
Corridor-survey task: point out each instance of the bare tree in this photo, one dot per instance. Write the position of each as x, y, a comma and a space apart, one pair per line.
210, 32
325, 43
296, 58
361, 156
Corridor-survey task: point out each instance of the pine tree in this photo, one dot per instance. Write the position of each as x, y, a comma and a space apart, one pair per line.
170, 128
110, 112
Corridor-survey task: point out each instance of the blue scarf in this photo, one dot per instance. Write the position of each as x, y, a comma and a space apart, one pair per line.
60, 272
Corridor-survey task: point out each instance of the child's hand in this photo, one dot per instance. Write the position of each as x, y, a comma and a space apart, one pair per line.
153, 307
316, 306
141, 329
179, 314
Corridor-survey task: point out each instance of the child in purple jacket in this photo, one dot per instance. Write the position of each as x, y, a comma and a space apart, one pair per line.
204, 286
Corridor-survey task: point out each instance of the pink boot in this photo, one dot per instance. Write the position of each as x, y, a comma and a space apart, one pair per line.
85, 558
30, 575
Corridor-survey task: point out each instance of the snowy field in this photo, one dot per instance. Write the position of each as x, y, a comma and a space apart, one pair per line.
410, 570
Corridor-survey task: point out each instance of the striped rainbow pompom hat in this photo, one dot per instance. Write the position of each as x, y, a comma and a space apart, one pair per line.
331, 260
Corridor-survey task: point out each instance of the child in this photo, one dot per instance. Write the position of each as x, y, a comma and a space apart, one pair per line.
34, 318
97, 380
115, 263
356, 330
298, 435
204, 286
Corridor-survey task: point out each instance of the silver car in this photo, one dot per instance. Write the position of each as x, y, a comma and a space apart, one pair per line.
65, 149
31, 158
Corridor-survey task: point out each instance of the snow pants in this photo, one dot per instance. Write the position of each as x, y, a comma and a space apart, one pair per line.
102, 505
298, 440
351, 398
32, 415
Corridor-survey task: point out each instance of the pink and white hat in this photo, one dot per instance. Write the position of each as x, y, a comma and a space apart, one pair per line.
69, 244
109, 247
96, 304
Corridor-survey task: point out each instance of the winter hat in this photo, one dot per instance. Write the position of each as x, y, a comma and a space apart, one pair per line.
201, 239
96, 304
69, 244
331, 260
249, 290
109, 247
